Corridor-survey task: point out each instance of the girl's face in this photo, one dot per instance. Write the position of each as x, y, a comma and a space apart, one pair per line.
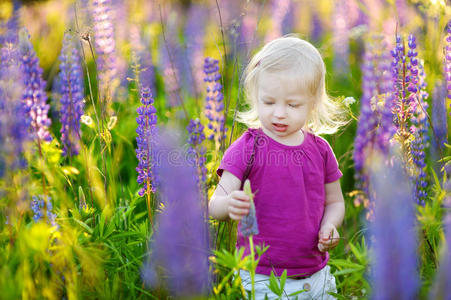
282, 107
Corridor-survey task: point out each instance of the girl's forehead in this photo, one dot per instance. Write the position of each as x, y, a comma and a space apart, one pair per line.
290, 82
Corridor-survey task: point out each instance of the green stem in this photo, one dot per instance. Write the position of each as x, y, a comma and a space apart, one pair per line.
252, 271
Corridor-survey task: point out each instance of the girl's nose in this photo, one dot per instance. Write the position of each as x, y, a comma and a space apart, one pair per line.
280, 111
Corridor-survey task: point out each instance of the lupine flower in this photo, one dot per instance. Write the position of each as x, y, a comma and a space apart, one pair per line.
280, 10
179, 251
147, 120
394, 271
34, 96
248, 38
144, 58
316, 29
194, 40
439, 122
409, 109
14, 122
448, 60
105, 46
248, 224
420, 142
70, 83
341, 27
374, 126
42, 208
195, 139
171, 62
214, 104
405, 79
11, 27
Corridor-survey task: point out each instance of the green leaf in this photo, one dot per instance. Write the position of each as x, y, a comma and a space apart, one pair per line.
283, 278
274, 285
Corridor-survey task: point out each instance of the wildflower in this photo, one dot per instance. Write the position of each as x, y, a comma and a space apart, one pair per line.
248, 224
71, 90
34, 96
280, 13
42, 208
11, 27
144, 58
420, 142
394, 271
171, 62
147, 119
348, 101
194, 37
196, 137
448, 60
182, 229
214, 105
439, 121
13, 121
373, 129
105, 46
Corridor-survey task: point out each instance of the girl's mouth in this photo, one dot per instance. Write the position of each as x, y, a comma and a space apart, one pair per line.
279, 127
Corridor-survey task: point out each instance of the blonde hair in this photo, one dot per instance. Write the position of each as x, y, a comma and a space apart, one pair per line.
306, 66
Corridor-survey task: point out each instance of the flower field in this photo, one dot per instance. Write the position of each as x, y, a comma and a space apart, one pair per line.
116, 114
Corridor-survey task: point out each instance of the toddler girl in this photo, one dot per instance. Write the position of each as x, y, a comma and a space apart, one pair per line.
293, 172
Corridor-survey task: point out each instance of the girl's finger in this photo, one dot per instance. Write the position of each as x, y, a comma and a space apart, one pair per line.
239, 203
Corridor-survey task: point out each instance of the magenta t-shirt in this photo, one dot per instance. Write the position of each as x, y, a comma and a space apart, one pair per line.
288, 182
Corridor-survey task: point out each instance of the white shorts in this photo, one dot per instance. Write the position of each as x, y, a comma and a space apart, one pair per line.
317, 286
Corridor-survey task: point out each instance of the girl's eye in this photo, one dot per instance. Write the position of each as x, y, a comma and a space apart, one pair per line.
268, 103
294, 105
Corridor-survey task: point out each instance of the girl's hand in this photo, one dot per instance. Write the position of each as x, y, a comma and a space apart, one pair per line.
238, 205
328, 237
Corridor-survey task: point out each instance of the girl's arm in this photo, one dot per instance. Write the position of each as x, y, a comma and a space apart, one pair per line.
228, 201
334, 212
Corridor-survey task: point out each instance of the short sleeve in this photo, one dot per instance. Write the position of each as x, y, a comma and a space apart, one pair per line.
237, 156
332, 171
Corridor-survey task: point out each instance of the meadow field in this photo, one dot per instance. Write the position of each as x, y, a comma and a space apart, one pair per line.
115, 115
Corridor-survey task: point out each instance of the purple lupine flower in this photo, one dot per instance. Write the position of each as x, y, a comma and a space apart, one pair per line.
374, 128
448, 60
11, 27
214, 104
14, 122
248, 39
147, 120
197, 151
42, 208
179, 249
410, 108
194, 41
172, 61
316, 29
105, 46
439, 122
420, 142
140, 44
405, 79
394, 262
34, 96
248, 224
340, 29
70, 83
280, 9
